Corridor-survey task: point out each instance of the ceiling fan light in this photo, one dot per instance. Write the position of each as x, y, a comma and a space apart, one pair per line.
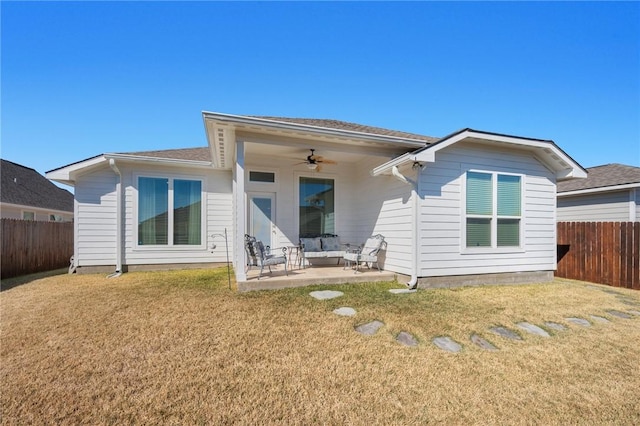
312, 166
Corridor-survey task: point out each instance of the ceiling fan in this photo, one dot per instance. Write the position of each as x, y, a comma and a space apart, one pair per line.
314, 161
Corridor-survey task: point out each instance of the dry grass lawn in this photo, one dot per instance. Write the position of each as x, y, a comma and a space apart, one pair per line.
181, 348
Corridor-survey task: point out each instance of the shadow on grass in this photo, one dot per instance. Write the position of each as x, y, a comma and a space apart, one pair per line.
9, 283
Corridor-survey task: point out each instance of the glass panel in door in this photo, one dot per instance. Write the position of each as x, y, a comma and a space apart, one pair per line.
261, 215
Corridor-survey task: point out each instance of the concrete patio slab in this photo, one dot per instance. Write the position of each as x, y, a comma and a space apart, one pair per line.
315, 275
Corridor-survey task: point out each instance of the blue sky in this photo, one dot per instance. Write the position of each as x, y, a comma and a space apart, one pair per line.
82, 78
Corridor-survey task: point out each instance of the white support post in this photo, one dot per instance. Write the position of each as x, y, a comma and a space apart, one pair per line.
240, 211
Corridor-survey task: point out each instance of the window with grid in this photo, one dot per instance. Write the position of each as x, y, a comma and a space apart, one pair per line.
493, 209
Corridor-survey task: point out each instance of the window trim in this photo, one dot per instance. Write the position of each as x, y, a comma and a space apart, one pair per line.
35, 216
494, 248
170, 199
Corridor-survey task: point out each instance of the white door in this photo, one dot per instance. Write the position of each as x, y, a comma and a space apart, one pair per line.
262, 216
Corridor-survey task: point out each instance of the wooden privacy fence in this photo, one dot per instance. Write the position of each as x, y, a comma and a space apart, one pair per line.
31, 246
600, 252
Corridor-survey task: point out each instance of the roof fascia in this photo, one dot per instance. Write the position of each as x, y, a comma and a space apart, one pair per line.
67, 174
428, 153
326, 131
610, 188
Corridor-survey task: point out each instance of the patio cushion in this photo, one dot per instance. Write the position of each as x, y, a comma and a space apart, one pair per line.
330, 243
311, 244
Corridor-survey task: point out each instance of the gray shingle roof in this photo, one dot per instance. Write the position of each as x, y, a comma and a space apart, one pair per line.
608, 175
24, 186
194, 154
353, 127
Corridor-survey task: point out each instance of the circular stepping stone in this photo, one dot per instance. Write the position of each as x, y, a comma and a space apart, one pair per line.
619, 314
533, 329
579, 321
505, 332
482, 343
447, 344
555, 326
370, 328
326, 294
345, 311
599, 319
402, 290
406, 339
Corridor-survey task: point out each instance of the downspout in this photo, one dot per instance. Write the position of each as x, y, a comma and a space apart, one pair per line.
118, 271
413, 282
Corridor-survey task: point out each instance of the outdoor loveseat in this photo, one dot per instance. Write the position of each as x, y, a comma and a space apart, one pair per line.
326, 246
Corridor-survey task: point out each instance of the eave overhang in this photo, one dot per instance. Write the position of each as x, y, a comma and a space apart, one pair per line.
611, 188
546, 151
68, 174
221, 130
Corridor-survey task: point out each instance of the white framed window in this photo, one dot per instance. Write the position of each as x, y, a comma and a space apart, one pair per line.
316, 205
55, 217
170, 212
27, 215
493, 211
260, 176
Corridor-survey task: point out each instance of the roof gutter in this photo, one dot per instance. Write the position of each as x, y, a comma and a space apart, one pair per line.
413, 281
118, 271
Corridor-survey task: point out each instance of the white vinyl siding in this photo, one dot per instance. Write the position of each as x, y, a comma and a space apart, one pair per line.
95, 196
442, 223
613, 206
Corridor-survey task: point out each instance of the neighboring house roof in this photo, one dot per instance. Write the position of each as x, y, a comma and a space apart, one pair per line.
608, 177
26, 187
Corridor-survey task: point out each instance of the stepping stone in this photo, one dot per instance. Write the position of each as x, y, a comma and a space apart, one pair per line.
479, 341
406, 339
505, 332
370, 328
402, 290
599, 319
533, 329
629, 302
579, 321
326, 294
634, 312
619, 314
447, 344
555, 326
345, 311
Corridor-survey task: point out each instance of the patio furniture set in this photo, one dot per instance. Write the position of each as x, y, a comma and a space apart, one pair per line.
326, 246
